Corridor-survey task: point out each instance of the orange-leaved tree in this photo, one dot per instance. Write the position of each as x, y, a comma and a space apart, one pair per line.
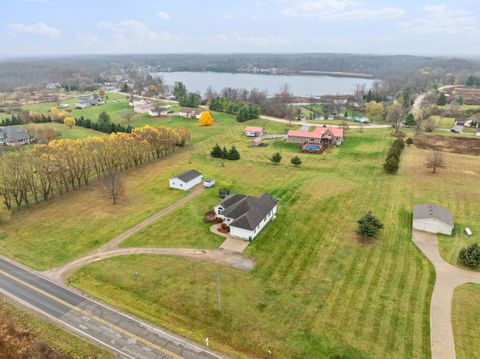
206, 119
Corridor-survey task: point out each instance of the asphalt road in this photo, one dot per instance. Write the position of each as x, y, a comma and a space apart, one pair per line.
122, 334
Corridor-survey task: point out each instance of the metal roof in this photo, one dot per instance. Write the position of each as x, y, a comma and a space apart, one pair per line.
429, 211
189, 175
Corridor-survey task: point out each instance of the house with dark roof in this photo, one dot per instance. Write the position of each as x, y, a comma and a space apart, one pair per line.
246, 215
14, 136
186, 180
87, 101
433, 219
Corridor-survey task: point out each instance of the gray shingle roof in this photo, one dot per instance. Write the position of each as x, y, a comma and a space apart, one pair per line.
428, 211
246, 211
187, 176
13, 134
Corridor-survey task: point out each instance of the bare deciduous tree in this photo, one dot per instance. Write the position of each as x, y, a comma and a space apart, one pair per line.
396, 116
435, 161
112, 185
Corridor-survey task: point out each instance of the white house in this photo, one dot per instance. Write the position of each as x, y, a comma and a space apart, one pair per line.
14, 136
136, 103
433, 219
186, 112
186, 180
246, 215
197, 114
146, 108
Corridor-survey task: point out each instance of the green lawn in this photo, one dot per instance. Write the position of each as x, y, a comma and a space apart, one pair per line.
69, 133
466, 316
58, 339
316, 291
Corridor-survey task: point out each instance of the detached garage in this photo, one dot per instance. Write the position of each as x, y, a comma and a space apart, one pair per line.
433, 219
186, 180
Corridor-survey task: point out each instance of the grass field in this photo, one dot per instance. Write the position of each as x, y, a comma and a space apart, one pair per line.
466, 316
336, 295
69, 133
316, 291
57, 339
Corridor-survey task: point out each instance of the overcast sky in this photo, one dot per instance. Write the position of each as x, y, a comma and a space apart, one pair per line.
53, 27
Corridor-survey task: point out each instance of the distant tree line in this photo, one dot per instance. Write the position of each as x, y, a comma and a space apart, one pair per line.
473, 81
65, 165
244, 111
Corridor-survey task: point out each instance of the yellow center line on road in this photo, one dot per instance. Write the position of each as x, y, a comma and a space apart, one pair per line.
84, 312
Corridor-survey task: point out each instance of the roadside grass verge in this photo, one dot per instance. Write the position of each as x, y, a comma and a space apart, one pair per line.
465, 319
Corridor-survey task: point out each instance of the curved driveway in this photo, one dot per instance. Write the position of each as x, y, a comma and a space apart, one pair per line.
448, 277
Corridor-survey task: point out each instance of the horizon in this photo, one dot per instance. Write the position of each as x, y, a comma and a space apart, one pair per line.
33, 28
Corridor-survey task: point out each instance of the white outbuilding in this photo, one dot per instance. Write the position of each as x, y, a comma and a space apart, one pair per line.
433, 219
186, 180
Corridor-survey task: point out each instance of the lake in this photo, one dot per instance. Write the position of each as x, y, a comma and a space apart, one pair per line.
301, 85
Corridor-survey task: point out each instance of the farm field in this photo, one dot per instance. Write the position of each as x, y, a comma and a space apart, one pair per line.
309, 268
33, 329
466, 315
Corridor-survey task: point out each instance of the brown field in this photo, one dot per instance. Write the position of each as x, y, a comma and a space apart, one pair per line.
471, 95
461, 145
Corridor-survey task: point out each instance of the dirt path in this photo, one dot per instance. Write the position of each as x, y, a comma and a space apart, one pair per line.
218, 256
223, 256
448, 277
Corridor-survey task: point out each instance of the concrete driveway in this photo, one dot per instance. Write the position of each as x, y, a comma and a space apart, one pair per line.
448, 277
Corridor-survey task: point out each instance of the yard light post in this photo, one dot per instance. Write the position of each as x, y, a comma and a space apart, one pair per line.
218, 293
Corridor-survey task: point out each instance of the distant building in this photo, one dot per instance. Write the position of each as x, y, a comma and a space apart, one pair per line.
186, 112
53, 86
145, 108
14, 136
326, 136
186, 180
88, 101
252, 131
433, 219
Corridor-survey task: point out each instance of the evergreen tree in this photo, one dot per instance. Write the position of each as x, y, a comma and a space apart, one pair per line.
179, 90
369, 226
242, 114
224, 153
296, 161
409, 141
391, 165
276, 158
216, 151
442, 100
410, 120
470, 255
104, 119
233, 154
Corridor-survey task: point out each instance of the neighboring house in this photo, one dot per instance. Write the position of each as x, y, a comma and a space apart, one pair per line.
186, 180
145, 108
197, 114
87, 101
14, 136
64, 105
246, 215
53, 86
320, 136
252, 131
433, 219
136, 103
186, 112
460, 122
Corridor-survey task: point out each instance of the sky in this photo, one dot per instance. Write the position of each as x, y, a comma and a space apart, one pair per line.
64, 27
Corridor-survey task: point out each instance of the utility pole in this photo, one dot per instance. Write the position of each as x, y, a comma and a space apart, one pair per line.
218, 292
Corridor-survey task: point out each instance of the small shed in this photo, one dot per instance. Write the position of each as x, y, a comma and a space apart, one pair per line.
186, 180
433, 219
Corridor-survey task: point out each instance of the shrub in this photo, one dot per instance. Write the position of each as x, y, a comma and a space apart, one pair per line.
409, 141
470, 255
276, 158
296, 161
369, 226
391, 165
216, 151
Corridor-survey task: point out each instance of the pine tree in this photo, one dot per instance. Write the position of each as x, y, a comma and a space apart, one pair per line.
233, 154
224, 153
296, 161
276, 158
369, 226
216, 151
